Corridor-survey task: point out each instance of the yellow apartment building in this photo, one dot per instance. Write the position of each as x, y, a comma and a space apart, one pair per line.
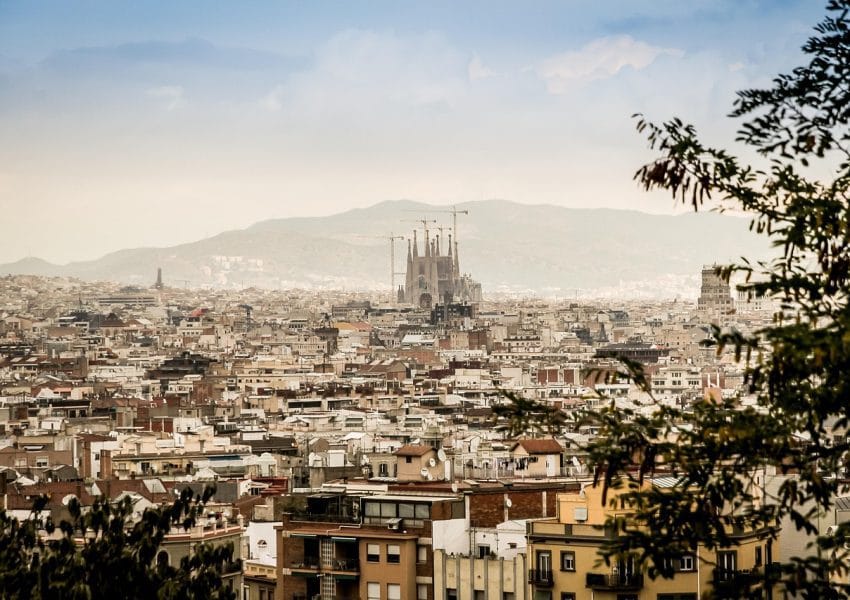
565, 562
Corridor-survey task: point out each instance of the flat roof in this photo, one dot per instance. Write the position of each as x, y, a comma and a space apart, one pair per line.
411, 497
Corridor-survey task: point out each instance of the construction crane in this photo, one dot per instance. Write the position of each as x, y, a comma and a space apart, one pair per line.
423, 221
391, 238
454, 213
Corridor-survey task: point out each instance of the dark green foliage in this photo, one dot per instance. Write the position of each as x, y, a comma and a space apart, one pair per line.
99, 553
798, 368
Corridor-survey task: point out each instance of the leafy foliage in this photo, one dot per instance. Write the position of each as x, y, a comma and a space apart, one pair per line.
99, 553
798, 368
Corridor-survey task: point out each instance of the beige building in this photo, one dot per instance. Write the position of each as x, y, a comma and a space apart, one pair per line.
181, 543
418, 463
565, 561
459, 577
537, 458
258, 581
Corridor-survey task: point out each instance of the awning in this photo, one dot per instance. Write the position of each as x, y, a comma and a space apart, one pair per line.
348, 540
303, 535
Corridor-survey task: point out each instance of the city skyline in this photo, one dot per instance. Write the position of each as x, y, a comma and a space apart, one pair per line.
128, 126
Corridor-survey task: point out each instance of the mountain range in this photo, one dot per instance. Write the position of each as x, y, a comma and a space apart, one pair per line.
505, 245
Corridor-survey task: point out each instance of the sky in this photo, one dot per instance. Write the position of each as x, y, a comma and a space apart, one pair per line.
157, 123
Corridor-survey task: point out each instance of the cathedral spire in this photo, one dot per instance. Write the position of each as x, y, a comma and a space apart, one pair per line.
450, 244
415, 248
427, 245
457, 261
437, 245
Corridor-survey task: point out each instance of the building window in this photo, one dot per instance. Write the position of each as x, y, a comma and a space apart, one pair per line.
421, 554
759, 557
568, 596
478, 595
393, 591
544, 562
393, 553
727, 564
508, 596
162, 559
373, 553
408, 459
421, 592
483, 550
383, 471
373, 591
451, 594
568, 561
686, 563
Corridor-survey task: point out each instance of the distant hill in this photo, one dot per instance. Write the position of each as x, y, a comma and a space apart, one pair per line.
505, 245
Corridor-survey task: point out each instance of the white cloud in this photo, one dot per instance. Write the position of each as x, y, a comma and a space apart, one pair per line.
736, 66
171, 96
273, 101
364, 72
477, 70
600, 59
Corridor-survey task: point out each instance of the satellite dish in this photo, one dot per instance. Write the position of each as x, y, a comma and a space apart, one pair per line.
364, 460
429, 477
424, 472
576, 462
454, 488
432, 462
508, 502
67, 499
441, 454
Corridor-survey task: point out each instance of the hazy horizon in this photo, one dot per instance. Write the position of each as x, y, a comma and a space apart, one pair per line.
153, 125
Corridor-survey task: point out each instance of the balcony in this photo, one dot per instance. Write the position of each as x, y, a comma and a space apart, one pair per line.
614, 582
540, 578
731, 582
344, 564
310, 563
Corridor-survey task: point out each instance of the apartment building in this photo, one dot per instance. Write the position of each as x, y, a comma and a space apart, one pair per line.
565, 560
386, 554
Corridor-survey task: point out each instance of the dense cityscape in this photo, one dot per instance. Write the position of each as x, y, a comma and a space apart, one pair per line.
352, 440
425, 300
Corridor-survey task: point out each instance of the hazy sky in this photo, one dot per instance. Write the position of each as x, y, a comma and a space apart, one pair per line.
156, 123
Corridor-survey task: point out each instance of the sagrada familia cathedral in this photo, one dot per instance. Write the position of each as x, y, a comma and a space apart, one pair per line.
434, 277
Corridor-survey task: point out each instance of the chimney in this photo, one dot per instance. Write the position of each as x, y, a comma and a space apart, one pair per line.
105, 464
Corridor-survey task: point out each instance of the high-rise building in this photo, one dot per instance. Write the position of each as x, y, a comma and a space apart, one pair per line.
715, 294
